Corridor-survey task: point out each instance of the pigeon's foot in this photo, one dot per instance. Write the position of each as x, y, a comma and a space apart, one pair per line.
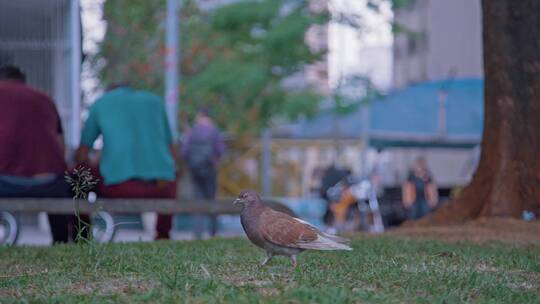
293, 260
267, 259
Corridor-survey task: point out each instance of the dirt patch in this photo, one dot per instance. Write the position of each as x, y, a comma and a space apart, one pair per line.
483, 267
10, 271
111, 286
106, 287
268, 292
9, 293
480, 231
525, 286
530, 281
263, 287
240, 281
266, 288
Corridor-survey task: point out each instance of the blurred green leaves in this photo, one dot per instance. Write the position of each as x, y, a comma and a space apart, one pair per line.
352, 92
234, 58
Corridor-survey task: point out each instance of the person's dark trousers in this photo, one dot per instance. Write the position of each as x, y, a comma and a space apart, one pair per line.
419, 209
144, 189
205, 187
62, 226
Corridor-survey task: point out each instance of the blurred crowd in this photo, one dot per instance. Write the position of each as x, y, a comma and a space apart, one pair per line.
138, 158
353, 201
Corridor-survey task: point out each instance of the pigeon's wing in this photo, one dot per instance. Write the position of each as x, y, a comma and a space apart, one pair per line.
284, 230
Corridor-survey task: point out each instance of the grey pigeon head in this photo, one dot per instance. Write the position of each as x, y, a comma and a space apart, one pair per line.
247, 198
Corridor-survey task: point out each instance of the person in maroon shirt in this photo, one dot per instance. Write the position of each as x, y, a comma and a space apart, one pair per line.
32, 160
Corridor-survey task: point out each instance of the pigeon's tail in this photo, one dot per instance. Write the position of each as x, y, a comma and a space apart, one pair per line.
326, 241
335, 238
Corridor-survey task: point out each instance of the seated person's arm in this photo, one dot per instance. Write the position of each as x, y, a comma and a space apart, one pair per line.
82, 155
89, 134
432, 194
408, 194
408, 191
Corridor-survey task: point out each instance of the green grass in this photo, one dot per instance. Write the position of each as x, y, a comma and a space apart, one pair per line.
379, 270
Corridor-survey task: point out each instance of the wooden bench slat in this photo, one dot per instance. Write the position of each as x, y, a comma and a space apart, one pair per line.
67, 206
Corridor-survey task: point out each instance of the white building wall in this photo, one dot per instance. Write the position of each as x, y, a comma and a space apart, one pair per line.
445, 40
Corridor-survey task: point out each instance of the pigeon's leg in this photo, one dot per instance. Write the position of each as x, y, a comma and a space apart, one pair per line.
293, 260
267, 259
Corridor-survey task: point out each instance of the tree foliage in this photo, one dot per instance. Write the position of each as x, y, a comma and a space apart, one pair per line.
234, 58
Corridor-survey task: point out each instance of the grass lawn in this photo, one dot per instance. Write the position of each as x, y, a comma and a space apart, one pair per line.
385, 269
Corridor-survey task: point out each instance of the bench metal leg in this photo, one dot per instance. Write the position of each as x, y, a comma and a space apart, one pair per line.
9, 229
103, 227
378, 225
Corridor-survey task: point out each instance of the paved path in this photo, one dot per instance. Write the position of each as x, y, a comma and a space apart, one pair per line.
33, 236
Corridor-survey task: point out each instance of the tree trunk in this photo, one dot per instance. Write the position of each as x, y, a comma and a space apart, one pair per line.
507, 180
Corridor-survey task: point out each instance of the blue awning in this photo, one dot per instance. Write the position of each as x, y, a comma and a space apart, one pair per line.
408, 117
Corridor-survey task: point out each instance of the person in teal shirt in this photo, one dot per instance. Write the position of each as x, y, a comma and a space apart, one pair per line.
138, 156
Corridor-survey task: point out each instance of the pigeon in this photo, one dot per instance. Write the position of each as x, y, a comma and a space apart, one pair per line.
281, 234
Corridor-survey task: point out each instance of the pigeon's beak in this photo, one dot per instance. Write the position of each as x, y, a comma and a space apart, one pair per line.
237, 201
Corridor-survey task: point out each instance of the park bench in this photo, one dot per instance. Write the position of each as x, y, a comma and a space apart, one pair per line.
105, 208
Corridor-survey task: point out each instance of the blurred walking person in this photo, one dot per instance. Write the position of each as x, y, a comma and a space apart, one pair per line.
32, 160
202, 148
419, 191
138, 158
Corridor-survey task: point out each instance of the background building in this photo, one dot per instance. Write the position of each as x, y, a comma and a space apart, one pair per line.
439, 39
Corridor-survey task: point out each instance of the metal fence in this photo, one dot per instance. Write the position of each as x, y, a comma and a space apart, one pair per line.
44, 39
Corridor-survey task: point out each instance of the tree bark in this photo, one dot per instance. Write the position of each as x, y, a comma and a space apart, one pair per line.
507, 180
